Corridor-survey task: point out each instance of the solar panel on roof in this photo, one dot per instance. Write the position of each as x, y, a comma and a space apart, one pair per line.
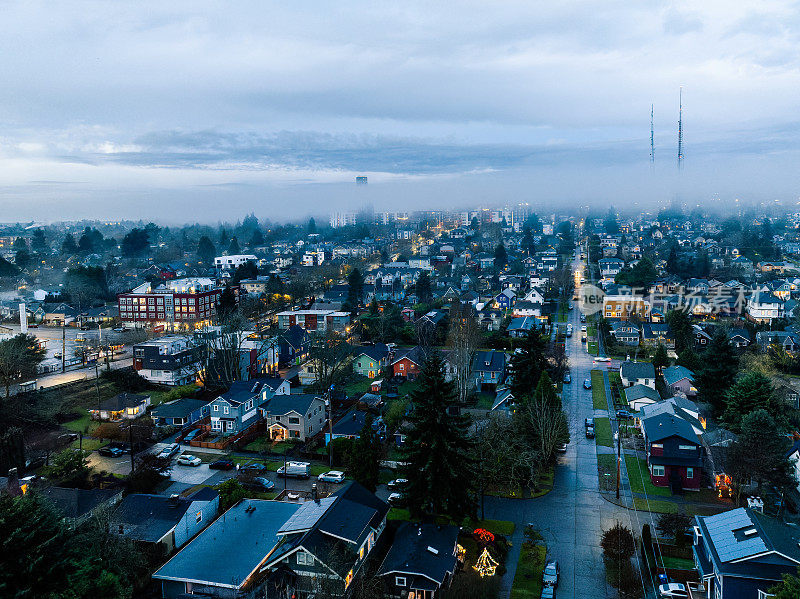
721, 528
306, 516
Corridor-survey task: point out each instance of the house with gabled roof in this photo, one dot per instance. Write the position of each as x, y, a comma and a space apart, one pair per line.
640, 395
237, 409
422, 560
632, 373
743, 553
299, 416
370, 360
679, 379
488, 369
408, 362
673, 450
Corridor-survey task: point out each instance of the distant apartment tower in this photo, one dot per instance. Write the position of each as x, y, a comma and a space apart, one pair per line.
223, 263
342, 219
361, 180
172, 360
181, 301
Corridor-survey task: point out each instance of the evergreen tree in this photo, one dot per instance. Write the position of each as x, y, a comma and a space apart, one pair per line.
751, 392
233, 248
439, 464
788, 588
223, 237
660, 358
423, 288
68, 246
22, 258
257, 239
206, 251
135, 242
39, 241
355, 289
720, 365
527, 365
364, 457
227, 303
528, 244
500, 256
681, 326
762, 447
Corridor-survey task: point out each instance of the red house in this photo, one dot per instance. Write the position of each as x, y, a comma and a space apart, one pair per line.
674, 452
408, 362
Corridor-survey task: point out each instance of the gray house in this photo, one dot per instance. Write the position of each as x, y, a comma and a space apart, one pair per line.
633, 373
298, 416
488, 369
167, 521
679, 379
237, 409
180, 412
279, 549
78, 505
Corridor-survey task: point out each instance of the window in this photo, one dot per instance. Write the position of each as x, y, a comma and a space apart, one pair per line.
658, 471
305, 559
198, 517
657, 446
226, 410
400, 581
687, 447
216, 408
690, 473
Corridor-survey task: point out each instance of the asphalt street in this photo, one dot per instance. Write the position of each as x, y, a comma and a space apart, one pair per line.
573, 516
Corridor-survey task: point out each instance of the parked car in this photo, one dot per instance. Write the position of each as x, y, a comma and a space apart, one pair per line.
188, 459
583, 317
602, 359
583, 329
254, 467
110, 451
396, 499
550, 575
673, 590
567, 377
191, 435
589, 426
169, 450
587, 383
397, 483
548, 593
294, 470
259, 483
562, 448
624, 415
334, 476
222, 465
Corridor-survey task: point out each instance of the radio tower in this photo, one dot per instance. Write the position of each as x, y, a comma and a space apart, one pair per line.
652, 143
680, 128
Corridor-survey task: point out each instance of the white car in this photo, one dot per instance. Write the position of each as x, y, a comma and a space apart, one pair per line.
188, 459
583, 328
334, 476
396, 499
169, 451
673, 589
602, 359
397, 483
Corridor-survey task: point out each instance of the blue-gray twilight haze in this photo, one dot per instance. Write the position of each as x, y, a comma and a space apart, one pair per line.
183, 111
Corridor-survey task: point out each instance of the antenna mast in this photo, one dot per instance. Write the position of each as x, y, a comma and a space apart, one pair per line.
680, 128
652, 143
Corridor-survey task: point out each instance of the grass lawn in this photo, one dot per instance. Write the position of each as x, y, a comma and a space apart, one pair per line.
591, 330
544, 484
358, 384
528, 578
602, 432
498, 527
598, 391
398, 513
703, 510
678, 563
591, 347
639, 477
657, 506
265, 444
485, 400
84, 424
607, 464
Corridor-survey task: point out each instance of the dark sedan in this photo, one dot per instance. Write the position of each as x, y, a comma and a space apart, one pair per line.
222, 465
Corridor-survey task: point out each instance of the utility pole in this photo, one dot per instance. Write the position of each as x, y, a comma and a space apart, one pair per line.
130, 441
680, 128
330, 426
63, 347
619, 453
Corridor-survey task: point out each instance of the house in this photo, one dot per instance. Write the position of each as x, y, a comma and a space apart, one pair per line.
237, 409
505, 299
678, 406
293, 346
743, 553
632, 373
674, 452
299, 416
657, 333
488, 369
408, 362
626, 333
172, 360
169, 521
640, 395
350, 425
421, 561
739, 337
280, 549
180, 412
76, 506
370, 360
763, 307
787, 341
278, 385
121, 406
610, 267
679, 379
521, 326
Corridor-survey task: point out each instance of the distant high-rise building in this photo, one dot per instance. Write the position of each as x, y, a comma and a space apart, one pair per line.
361, 180
342, 219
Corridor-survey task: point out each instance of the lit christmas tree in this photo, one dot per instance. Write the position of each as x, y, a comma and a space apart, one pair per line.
485, 565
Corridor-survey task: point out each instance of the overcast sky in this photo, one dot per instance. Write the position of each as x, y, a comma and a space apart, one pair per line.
200, 111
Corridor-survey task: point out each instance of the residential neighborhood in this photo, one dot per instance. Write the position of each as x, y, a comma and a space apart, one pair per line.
440, 405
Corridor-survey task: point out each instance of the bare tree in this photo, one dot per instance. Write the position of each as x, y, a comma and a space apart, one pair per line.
464, 336
328, 353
